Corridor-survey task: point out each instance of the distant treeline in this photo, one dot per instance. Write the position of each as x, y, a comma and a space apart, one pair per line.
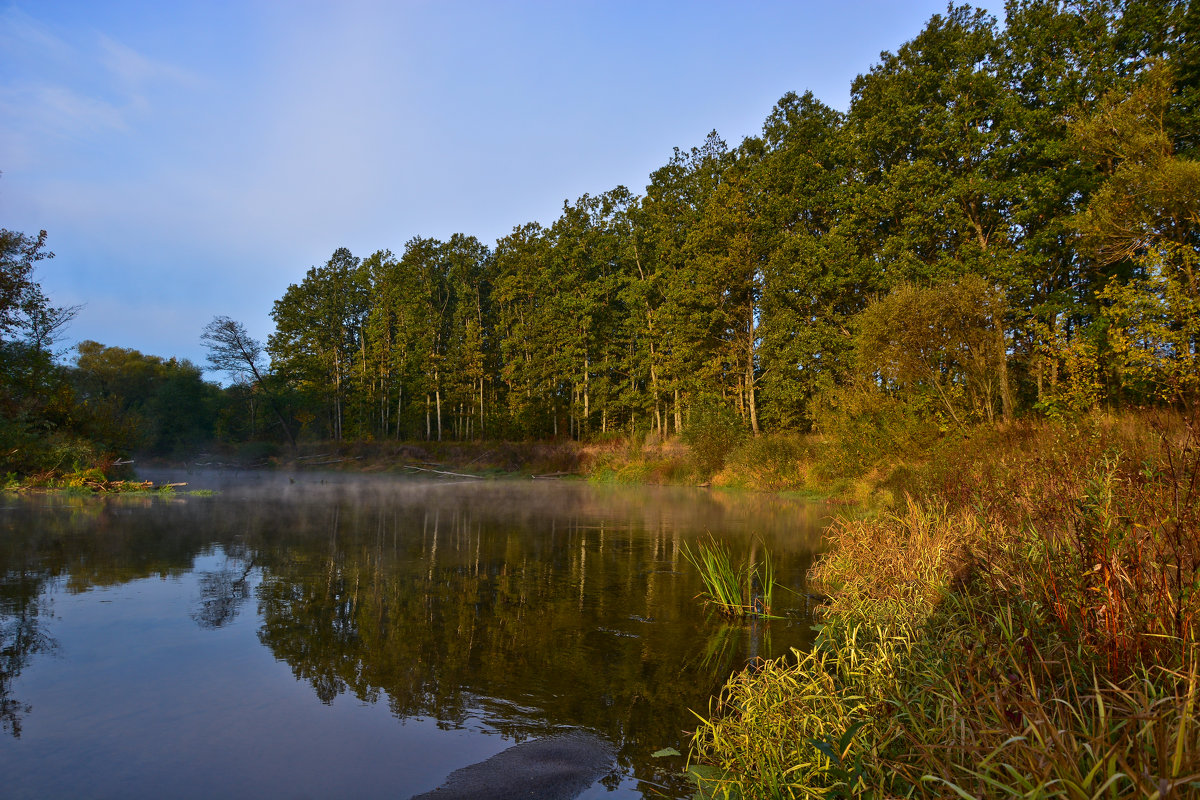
1005, 219
110, 402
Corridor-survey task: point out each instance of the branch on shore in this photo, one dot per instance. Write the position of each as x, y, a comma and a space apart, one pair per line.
444, 472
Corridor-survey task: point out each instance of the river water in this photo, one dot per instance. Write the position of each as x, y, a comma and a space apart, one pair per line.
317, 635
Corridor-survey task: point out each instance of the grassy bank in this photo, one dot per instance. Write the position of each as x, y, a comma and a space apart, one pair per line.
1023, 624
90, 481
633, 460
808, 464
772, 463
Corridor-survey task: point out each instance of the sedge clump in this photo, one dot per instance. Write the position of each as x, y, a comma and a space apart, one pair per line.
741, 590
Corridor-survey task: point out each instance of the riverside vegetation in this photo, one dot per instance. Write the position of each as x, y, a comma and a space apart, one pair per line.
744, 591
1003, 223
970, 302
1022, 624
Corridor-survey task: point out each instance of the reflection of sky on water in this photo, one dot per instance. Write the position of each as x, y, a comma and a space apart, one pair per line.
162, 686
202, 713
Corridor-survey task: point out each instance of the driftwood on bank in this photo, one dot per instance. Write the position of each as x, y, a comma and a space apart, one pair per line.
331, 461
484, 454
444, 472
100, 485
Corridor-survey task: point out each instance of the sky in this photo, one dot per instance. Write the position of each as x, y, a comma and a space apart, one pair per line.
193, 158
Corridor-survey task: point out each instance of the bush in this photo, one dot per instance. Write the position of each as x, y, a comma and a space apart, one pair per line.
1032, 632
772, 463
26, 451
712, 432
864, 427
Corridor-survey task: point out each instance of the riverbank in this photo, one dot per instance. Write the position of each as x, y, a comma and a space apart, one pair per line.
92, 481
1024, 623
807, 465
1016, 613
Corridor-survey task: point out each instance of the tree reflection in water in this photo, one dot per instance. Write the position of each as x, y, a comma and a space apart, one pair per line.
459, 613
222, 593
507, 608
22, 636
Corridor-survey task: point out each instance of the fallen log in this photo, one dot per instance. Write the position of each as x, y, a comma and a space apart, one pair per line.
444, 472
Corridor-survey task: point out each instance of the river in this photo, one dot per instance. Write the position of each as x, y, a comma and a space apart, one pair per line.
324, 635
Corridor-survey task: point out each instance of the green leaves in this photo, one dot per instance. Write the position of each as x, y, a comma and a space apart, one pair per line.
941, 349
742, 270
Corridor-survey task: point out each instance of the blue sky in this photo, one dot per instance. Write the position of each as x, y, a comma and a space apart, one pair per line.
190, 158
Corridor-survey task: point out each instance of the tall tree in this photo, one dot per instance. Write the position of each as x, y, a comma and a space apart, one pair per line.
318, 339
811, 287
686, 289
233, 351
35, 397
523, 290
469, 333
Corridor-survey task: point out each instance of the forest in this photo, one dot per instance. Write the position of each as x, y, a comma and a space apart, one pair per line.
1002, 224
967, 308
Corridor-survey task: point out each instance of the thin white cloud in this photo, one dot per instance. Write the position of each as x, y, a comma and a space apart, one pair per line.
64, 110
33, 117
50, 87
137, 72
36, 98
23, 32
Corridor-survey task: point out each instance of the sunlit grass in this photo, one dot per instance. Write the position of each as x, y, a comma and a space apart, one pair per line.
901, 712
1035, 637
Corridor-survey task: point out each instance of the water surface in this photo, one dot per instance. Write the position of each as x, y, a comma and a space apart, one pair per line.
324, 636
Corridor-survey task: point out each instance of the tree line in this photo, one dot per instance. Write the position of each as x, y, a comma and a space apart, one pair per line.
110, 401
1004, 221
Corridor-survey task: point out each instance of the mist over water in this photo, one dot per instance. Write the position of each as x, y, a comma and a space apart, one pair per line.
325, 635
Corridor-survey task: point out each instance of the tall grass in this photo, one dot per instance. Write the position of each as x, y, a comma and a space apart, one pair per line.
736, 591
1034, 637
889, 712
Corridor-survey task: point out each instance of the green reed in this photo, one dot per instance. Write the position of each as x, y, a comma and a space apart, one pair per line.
742, 590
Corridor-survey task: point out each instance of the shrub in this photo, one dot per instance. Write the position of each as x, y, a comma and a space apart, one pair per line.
712, 432
863, 427
1033, 633
773, 462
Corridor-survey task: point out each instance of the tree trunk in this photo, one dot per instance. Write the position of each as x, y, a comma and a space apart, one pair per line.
384, 428
750, 402
337, 396
654, 379
1006, 402
274, 407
